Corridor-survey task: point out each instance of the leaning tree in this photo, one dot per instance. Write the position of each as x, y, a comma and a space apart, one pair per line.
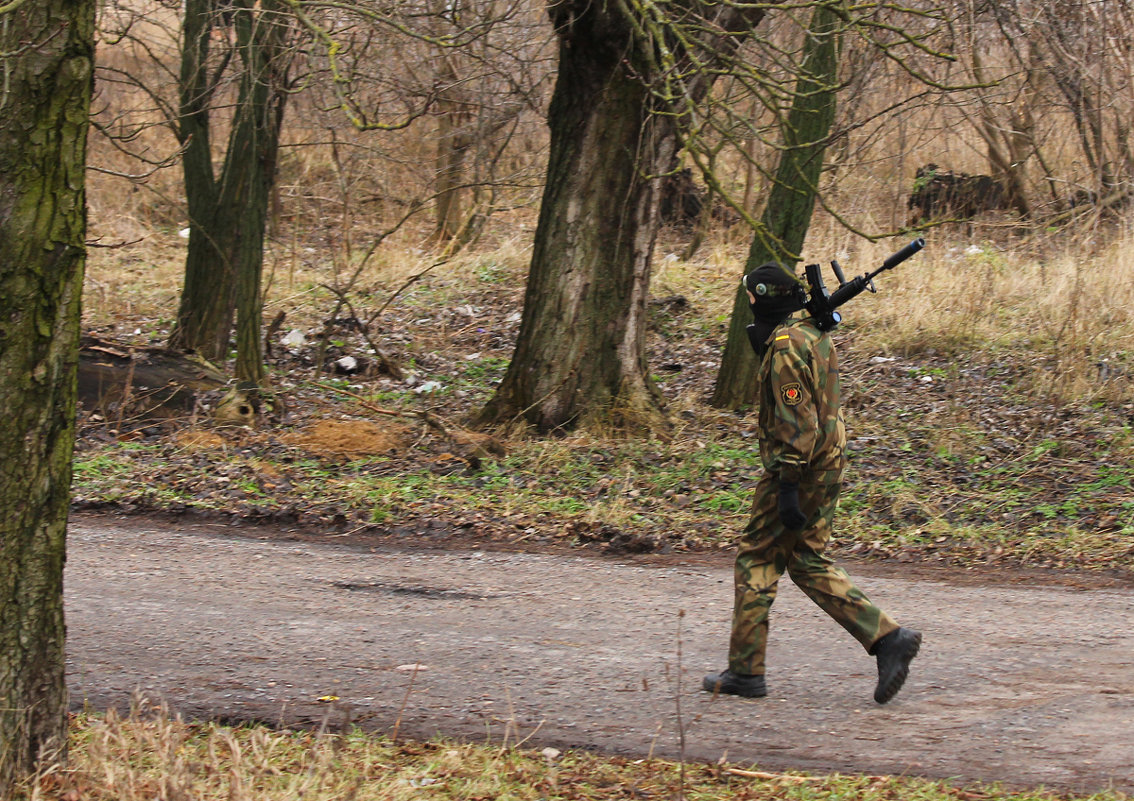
802, 107
783, 226
46, 54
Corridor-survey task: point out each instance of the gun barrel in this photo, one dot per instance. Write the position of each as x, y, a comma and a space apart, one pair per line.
903, 254
850, 289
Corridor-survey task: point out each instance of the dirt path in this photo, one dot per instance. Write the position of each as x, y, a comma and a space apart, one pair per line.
1026, 685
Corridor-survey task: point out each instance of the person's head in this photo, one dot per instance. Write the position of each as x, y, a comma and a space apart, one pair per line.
774, 292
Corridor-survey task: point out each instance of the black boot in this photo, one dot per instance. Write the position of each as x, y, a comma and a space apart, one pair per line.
729, 683
894, 653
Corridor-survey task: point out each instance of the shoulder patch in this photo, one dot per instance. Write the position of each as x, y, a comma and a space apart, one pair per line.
791, 394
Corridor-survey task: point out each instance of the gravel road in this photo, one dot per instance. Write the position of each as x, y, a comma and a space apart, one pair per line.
1026, 684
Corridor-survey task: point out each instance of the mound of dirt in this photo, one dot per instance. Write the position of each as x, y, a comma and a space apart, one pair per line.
196, 440
349, 438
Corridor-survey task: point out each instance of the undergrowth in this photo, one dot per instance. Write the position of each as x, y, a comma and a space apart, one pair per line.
988, 391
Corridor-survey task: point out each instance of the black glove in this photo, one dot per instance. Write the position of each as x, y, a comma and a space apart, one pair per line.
790, 513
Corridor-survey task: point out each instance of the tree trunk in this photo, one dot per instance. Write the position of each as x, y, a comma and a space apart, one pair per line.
453, 142
580, 357
581, 348
250, 168
787, 214
48, 52
208, 295
228, 216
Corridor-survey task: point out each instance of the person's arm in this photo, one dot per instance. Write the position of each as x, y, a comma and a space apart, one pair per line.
795, 421
795, 429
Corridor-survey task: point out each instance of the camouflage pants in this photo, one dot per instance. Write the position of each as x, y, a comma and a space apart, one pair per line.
768, 549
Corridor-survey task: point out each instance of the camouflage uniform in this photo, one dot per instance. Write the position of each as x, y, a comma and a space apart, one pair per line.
802, 439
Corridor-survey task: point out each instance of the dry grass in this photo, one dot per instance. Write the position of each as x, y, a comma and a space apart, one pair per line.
153, 755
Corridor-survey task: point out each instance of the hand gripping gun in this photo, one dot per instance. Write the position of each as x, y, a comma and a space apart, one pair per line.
822, 304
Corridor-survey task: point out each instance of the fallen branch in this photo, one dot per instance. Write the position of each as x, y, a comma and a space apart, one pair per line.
1112, 199
760, 774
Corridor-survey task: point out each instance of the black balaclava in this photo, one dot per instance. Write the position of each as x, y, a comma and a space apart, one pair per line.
778, 293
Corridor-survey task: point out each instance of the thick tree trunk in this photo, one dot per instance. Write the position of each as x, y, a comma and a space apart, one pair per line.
581, 350
580, 357
787, 215
48, 60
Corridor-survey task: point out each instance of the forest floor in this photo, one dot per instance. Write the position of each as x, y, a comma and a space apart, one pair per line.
959, 456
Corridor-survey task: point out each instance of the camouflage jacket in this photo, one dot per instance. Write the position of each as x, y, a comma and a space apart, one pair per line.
802, 434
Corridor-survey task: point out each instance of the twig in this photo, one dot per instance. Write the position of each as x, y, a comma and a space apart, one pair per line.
95, 243
273, 329
760, 774
389, 364
680, 720
547, 395
413, 279
127, 392
409, 689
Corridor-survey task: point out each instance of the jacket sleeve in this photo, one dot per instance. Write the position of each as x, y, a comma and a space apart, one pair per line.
795, 420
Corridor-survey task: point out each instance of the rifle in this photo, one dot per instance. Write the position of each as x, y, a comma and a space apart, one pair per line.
822, 304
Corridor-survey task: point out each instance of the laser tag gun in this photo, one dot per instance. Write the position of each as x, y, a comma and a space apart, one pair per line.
822, 304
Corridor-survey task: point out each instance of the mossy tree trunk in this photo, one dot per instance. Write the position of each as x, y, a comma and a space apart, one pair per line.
580, 358
46, 53
581, 344
791, 201
228, 213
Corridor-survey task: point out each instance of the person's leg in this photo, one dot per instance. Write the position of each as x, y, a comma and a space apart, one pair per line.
761, 559
823, 581
830, 587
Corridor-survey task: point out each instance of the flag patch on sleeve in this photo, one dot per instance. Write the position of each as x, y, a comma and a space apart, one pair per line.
791, 394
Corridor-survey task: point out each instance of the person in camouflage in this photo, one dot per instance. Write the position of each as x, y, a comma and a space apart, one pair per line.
802, 448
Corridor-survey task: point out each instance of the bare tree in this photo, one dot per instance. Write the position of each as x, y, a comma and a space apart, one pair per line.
791, 201
228, 212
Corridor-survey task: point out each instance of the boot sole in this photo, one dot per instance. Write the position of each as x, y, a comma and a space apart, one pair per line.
884, 694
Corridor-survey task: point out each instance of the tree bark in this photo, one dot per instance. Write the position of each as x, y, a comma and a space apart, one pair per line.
453, 142
47, 53
208, 295
253, 151
791, 201
580, 358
